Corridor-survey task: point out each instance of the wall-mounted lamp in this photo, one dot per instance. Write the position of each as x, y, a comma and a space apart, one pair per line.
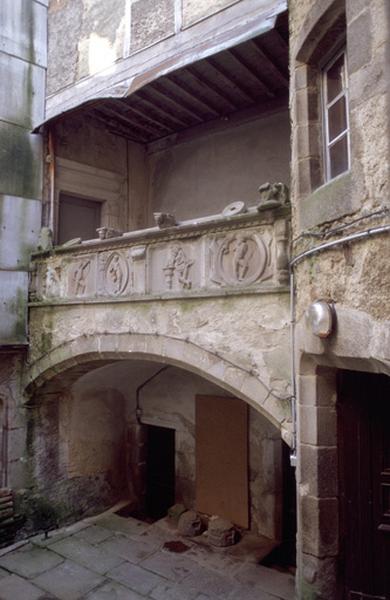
321, 318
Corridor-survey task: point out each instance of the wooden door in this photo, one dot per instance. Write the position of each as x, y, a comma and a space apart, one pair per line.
222, 458
364, 475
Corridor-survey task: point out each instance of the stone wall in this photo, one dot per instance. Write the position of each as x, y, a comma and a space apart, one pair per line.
22, 66
192, 179
355, 276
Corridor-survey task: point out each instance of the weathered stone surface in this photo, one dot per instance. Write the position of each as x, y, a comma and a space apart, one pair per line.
22, 100
190, 524
151, 21
13, 587
13, 306
221, 532
18, 21
20, 162
30, 562
68, 581
20, 219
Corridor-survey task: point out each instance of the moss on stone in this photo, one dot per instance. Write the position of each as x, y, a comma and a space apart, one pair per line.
19, 167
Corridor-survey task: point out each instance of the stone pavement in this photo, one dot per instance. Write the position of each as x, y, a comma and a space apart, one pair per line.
113, 558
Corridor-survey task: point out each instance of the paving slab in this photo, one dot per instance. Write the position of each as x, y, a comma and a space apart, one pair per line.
212, 584
68, 581
169, 565
92, 557
14, 587
94, 534
127, 526
30, 561
174, 591
121, 546
113, 591
137, 579
281, 585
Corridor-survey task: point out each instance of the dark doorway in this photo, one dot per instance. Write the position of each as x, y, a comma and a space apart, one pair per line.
77, 217
285, 554
160, 471
364, 476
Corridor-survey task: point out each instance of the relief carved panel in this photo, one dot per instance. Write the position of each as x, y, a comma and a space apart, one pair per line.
240, 259
82, 277
115, 274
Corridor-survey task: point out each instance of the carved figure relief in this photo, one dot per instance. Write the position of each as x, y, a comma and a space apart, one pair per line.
239, 259
80, 276
116, 274
178, 268
53, 280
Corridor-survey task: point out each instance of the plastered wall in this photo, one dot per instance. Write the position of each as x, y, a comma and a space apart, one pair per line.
86, 36
94, 416
202, 176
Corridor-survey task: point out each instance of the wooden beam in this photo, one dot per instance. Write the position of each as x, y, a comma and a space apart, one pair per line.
187, 90
173, 99
243, 89
211, 86
248, 67
267, 58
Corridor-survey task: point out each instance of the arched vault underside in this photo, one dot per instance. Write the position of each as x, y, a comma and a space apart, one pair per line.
65, 363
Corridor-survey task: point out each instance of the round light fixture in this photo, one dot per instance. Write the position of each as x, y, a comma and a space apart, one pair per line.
320, 317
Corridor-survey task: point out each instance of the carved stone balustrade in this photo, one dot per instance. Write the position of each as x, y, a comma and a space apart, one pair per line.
209, 257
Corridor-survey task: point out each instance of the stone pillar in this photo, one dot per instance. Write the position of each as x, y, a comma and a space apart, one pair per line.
317, 481
22, 96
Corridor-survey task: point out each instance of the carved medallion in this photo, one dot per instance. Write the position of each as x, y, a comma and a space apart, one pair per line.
177, 268
240, 260
116, 274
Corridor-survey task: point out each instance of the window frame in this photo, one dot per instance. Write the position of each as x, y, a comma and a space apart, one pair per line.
326, 106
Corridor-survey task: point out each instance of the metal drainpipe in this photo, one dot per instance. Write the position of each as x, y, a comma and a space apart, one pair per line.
138, 410
344, 240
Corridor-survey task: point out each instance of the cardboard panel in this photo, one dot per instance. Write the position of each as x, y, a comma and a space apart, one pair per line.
222, 458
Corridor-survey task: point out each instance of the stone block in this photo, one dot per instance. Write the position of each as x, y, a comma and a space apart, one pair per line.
23, 30
317, 425
22, 99
16, 443
151, 21
20, 162
318, 470
319, 525
319, 577
196, 10
359, 33
13, 307
20, 225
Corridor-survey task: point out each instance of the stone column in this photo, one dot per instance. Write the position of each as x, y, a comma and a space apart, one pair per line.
22, 95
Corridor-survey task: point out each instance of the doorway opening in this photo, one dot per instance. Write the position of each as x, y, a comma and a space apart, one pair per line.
160, 471
364, 481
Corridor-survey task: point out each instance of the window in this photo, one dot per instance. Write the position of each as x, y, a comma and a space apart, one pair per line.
336, 123
78, 217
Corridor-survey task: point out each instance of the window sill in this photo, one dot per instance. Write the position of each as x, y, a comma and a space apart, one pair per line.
329, 202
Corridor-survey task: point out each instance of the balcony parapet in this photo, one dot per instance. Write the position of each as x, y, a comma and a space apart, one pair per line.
210, 256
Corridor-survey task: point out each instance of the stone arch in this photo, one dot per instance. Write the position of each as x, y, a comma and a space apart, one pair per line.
107, 347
